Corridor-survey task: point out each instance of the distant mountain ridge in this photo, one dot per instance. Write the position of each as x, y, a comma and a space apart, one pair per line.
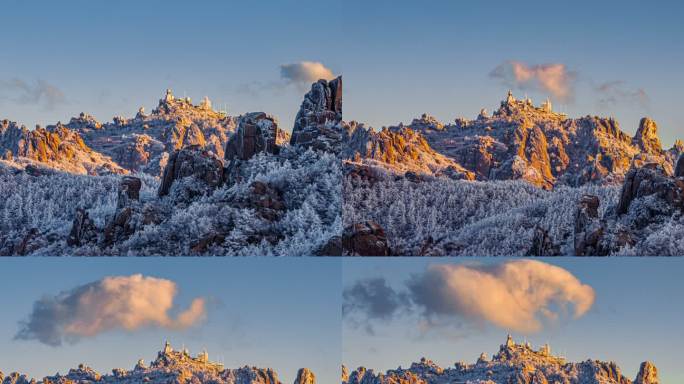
513, 364
521, 141
142, 143
170, 367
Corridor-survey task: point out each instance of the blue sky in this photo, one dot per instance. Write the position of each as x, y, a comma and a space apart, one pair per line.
109, 58
636, 316
405, 58
279, 313
400, 58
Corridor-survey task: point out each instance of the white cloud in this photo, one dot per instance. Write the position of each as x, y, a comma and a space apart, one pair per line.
517, 295
113, 303
305, 72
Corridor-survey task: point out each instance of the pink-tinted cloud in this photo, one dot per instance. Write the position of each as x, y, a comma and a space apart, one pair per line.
554, 78
119, 302
517, 295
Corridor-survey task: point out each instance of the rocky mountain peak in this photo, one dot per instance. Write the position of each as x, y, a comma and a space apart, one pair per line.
318, 123
305, 376
648, 374
646, 138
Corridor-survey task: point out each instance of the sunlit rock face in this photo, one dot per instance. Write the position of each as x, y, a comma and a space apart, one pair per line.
170, 366
521, 141
144, 142
400, 150
57, 147
513, 363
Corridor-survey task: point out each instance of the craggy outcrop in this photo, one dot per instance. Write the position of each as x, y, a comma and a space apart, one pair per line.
256, 132
318, 123
365, 239
305, 376
649, 198
194, 162
513, 363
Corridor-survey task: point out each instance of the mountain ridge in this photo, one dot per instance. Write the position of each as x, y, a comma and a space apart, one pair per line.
513, 364
170, 366
527, 142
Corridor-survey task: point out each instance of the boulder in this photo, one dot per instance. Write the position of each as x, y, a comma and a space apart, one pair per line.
192, 161
305, 376
365, 239
256, 132
318, 123
83, 230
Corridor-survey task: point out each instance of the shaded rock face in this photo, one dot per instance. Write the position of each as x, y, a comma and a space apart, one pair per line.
83, 230
318, 123
256, 132
129, 190
305, 376
648, 199
651, 180
365, 239
514, 363
648, 374
679, 169
195, 162
589, 229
